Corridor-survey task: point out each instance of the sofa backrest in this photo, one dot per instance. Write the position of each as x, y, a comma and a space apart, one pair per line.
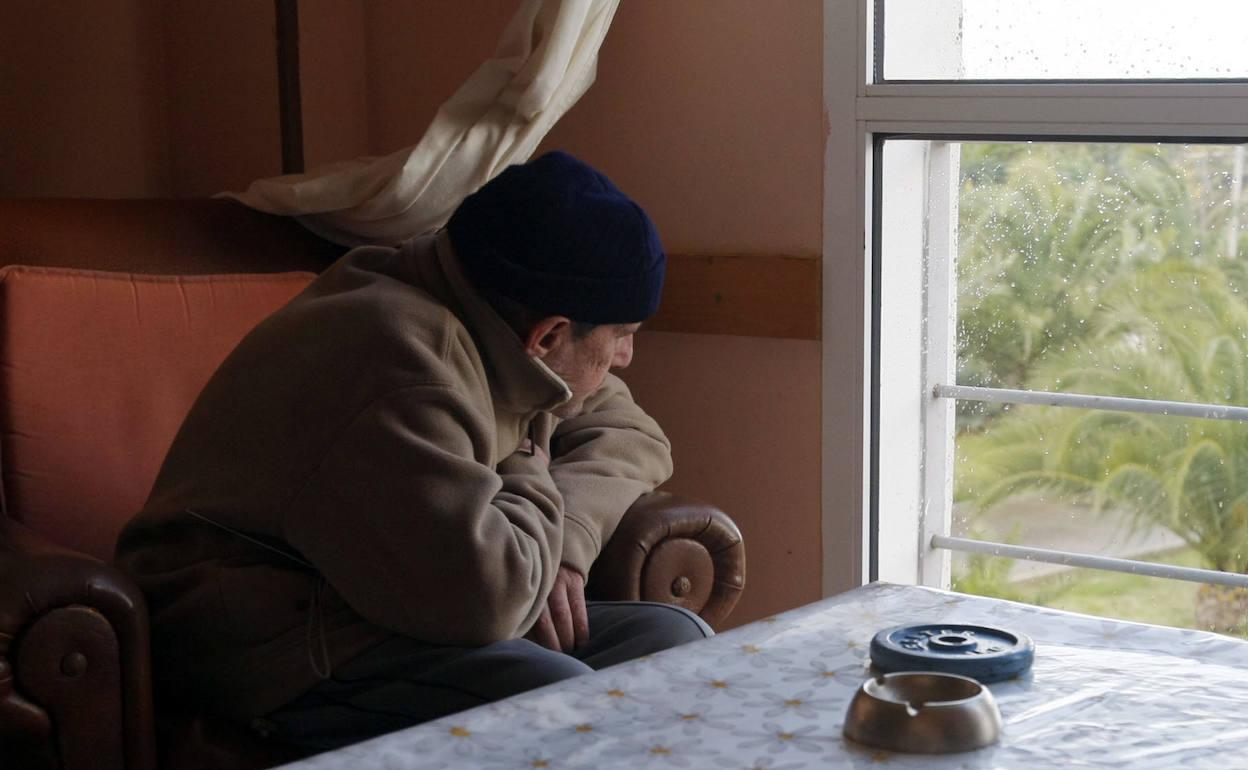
98, 368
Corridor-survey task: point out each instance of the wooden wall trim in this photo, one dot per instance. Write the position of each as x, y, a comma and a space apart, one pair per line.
289, 92
757, 296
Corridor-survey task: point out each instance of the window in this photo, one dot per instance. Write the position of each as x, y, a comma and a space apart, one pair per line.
1084, 235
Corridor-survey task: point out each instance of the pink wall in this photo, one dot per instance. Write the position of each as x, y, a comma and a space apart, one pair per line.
709, 112
222, 95
82, 108
418, 54
333, 70
137, 98
743, 417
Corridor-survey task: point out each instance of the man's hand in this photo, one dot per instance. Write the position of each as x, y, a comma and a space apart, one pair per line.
563, 624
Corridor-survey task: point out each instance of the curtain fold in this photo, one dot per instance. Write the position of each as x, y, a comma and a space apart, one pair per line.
546, 58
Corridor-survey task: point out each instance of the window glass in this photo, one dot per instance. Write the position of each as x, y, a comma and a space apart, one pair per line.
1114, 269
1063, 39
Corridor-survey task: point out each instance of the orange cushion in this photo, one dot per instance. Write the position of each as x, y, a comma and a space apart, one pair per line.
97, 372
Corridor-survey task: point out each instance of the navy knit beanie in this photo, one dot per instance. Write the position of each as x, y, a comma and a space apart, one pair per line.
557, 237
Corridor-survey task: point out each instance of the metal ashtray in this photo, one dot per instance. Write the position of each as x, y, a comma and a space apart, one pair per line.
923, 713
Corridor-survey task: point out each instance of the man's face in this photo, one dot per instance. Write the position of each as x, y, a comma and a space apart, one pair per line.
583, 363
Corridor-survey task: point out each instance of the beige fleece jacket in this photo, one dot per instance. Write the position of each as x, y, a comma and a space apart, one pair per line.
354, 470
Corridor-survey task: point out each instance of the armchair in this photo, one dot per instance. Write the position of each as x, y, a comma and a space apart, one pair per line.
97, 370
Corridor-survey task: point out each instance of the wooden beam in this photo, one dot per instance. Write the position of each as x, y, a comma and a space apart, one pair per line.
289, 95
767, 296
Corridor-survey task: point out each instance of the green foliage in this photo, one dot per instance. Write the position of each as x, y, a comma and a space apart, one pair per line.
1171, 331
1119, 595
987, 576
1096, 269
1043, 227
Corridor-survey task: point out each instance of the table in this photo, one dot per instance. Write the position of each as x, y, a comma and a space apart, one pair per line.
772, 695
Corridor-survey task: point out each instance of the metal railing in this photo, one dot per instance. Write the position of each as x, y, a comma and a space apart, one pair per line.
1072, 559
1105, 403
1083, 401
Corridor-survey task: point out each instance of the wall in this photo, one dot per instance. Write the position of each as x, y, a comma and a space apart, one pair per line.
136, 98
709, 113
82, 100
743, 417
221, 95
333, 71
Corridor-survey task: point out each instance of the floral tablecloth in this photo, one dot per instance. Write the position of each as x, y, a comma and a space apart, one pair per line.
772, 695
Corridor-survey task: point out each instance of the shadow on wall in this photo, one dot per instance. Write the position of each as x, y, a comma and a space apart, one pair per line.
743, 417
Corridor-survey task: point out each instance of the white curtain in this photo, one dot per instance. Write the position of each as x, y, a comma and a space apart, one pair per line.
546, 58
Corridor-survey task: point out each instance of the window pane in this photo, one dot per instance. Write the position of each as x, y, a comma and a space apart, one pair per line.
1110, 269
1116, 269
1063, 39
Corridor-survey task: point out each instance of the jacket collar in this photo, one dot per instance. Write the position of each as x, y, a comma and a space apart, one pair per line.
519, 383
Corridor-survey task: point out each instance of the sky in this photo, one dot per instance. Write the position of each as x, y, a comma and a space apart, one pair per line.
1007, 39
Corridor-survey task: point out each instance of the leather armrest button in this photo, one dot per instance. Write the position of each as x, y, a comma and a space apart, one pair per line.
74, 665
681, 586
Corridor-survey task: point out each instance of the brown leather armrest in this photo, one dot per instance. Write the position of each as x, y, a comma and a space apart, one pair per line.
75, 669
674, 550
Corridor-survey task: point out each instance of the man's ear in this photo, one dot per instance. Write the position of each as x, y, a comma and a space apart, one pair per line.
547, 335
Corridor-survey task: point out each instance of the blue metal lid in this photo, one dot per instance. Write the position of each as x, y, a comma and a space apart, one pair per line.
982, 653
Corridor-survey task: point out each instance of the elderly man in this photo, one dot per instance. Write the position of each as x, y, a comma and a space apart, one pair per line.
383, 505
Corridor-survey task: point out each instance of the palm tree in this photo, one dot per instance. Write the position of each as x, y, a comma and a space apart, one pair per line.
1042, 228
1103, 268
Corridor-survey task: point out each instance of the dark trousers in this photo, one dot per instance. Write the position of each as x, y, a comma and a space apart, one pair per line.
402, 682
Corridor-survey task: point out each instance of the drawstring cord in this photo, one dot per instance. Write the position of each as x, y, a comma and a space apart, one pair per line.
251, 539
323, 667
